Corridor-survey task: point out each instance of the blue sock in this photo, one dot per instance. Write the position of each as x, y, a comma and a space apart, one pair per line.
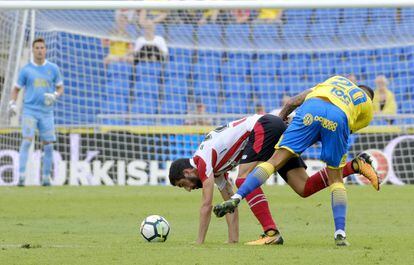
47, 159
256, 178
339, 203
23, 156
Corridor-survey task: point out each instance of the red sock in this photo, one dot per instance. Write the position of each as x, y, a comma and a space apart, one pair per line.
348, 169
319, 180
258, 205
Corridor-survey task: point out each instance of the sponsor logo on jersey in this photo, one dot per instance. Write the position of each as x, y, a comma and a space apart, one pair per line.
308, 119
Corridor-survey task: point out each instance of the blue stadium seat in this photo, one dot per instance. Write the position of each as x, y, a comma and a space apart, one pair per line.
266, 36
407, 13
266, 64
115, 105
270, 99
122, 70
404, 30
159, 30
180, 34
237, 35
297, 16
208, 88
237, 87
329, 33
379, 31
350, 31
175, 87
210, 57
118, 78
174, 105
355, 14
210, 35
180, 55
211, 103
205, 71
383, 15
327, 16
294, 66
294, 34
148, 69
237, 64
235, 105
175, 68
145, 104
264, 83
146, 88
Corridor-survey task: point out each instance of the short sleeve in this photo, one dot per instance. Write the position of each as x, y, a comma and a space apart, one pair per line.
58, 77
22, 79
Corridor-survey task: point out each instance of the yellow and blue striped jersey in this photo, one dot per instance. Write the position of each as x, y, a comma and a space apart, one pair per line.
348, 97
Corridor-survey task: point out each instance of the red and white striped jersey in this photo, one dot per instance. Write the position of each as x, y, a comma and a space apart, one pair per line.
223, 147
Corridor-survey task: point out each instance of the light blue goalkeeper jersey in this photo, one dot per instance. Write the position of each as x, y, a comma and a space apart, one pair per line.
38, 80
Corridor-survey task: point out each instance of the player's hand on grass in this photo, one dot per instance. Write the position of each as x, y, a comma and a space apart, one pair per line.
50, 98
11, 108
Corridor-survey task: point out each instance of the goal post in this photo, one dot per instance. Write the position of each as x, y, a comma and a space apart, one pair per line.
129, 109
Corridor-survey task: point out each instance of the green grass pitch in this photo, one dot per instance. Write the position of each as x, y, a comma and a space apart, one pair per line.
100, 225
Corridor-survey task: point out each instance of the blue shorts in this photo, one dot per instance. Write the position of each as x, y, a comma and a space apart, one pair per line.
318, 120
45, 123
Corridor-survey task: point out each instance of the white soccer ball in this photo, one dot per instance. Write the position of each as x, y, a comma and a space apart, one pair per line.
155, 228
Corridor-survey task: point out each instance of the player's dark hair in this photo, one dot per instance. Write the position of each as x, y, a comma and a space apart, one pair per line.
177, 170
367, 90
38, 40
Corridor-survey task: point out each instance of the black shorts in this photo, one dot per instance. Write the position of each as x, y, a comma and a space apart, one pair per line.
262, 141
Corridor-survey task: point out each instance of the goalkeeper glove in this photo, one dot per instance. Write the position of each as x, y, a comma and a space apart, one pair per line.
50, 98
12, 108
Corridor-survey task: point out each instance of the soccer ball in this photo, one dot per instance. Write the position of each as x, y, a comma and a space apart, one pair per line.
155, 228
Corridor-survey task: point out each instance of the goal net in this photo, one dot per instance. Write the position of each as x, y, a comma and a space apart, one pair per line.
143, 87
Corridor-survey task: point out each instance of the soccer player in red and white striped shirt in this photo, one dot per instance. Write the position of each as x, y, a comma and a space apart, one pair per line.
247, 142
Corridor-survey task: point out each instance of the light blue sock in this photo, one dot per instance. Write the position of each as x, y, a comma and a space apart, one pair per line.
47, 159
256, 178
23, 156
339, 203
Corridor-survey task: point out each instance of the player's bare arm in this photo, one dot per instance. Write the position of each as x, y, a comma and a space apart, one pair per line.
293, 103
205, 210
232, 219
14, 93
59, 90
12, 107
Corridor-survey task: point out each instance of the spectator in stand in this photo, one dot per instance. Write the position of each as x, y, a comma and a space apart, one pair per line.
214, 16
154, 16
240, 16
150, 47
285, 100
384, 100
260, 109
352, 78
269, 16
199, 119
119, 46
185, 16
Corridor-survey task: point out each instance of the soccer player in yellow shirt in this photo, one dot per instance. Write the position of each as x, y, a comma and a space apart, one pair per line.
329, 112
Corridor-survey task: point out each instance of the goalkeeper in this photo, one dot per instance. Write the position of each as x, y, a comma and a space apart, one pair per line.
248, 141
42, 82
330, 112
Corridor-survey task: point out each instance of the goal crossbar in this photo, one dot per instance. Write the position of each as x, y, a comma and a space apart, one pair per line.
190, 4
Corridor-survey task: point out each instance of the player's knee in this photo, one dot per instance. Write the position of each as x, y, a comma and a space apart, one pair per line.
301, 192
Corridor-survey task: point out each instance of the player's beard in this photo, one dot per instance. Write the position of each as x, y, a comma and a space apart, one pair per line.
199, 184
